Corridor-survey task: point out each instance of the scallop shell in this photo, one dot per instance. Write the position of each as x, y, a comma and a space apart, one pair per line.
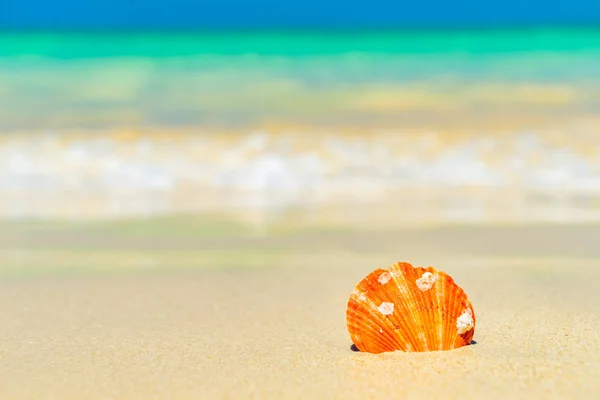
409, 309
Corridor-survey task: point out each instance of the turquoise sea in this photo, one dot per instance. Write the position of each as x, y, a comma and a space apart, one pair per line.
59, 80
275, 119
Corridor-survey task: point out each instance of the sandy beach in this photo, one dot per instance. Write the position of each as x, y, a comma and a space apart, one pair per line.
237, 314
184, 214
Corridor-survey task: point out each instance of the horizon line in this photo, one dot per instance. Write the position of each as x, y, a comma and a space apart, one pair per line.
306, 28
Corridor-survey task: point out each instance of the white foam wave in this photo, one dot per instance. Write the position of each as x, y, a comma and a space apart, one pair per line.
44, 172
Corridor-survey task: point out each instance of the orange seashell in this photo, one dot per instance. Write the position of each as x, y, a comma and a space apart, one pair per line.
409, 309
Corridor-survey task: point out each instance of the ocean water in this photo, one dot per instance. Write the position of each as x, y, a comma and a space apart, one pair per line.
105, 124
253, 78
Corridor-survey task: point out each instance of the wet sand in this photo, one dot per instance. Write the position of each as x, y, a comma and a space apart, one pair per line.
275, 328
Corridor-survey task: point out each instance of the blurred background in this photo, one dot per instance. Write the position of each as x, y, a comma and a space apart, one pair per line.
123, 119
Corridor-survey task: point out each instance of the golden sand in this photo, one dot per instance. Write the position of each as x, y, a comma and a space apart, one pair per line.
277, 331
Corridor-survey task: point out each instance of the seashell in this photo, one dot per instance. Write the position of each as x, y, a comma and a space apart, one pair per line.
409, 309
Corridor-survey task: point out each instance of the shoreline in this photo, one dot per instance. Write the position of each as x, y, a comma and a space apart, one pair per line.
263, 176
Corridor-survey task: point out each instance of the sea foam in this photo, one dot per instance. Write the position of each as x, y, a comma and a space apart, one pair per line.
52, 174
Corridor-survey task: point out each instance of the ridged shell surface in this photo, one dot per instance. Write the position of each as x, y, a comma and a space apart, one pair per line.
409, 308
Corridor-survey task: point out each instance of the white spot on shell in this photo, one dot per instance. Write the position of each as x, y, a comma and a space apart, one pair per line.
384, 278
386, 308
465, 322
362, 297
380, 330
426, 281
